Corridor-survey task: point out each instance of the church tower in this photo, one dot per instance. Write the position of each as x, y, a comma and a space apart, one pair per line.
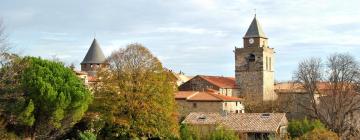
254, 65
94, 59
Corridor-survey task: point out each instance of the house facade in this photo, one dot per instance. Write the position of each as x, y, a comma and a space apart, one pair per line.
223, 85
207, 101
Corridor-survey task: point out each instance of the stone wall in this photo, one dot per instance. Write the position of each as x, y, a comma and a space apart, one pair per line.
185, 107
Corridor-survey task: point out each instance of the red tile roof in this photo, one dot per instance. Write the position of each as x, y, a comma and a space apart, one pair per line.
92, 79
204, 96
220, 81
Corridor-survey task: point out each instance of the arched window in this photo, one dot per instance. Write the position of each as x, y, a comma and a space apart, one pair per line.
251, 58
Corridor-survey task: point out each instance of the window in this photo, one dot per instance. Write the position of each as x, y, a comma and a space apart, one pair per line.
269, 63
236, 103
251, 58
194, 105
225, 104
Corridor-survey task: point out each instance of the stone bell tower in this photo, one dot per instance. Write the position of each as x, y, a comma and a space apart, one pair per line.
254, 65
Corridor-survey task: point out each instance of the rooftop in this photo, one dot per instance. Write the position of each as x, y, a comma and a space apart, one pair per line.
220, 81
204, 96
240, 122
94, 55
255, 30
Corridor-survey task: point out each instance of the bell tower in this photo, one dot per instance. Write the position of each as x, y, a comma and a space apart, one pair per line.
254, 65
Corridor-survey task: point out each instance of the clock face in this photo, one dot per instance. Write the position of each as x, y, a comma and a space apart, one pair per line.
251, 40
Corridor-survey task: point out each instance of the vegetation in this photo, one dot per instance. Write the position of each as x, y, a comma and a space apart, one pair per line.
319, 134
49, 98
194, 133
136, 96
337, 80
297, 128
189, 133
223, 134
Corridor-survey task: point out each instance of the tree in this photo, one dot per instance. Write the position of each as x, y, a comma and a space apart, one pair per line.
49, 98
4, 46
136, 95
332, 90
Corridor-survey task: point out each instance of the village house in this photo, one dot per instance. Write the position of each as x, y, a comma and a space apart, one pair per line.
207, 101
249, 126
223, 85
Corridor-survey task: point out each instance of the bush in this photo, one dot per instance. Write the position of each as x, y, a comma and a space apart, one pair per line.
222, 134
188, 133
87, 135
297, 128
319, 134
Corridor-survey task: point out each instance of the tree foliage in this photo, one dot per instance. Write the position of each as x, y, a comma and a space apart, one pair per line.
297, 128
49, 97
136, 95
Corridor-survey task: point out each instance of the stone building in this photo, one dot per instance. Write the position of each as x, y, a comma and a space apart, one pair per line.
254, 65
93, 59
207, 101
249, 126
223, 85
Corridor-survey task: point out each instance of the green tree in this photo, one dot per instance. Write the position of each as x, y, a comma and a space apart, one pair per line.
297, 128
136, 95
49, 98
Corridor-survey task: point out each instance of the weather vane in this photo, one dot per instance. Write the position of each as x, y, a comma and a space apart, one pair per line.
255, 12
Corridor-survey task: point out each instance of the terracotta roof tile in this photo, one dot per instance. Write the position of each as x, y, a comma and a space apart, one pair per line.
220, 81
92, 79
240, 122
183, 94
204, 96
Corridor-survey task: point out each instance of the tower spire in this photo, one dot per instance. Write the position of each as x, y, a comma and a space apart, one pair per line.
255, 12
255, 29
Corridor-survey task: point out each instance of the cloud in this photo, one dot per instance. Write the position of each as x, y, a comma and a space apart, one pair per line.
195, 36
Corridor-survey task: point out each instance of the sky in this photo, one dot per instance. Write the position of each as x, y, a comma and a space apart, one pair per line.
192, 36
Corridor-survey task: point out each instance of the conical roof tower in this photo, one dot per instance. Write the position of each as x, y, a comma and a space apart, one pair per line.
94, 55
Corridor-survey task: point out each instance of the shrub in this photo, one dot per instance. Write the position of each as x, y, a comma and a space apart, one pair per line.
297, 128
319, 134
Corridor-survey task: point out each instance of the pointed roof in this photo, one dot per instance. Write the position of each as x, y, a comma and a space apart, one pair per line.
94, 55
255, 29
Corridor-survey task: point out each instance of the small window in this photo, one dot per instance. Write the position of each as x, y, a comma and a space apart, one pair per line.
270, 63
225, 104
236, 103
194, 105
251, 58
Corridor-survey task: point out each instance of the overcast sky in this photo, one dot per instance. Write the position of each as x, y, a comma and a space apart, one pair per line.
194, 36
